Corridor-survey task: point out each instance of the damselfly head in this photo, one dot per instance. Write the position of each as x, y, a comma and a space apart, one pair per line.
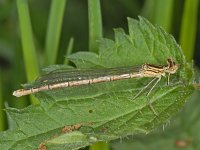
172, 66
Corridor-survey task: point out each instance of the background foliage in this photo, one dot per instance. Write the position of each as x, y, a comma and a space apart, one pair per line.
45, 31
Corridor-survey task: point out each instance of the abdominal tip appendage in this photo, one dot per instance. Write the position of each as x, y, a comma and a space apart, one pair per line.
16, 93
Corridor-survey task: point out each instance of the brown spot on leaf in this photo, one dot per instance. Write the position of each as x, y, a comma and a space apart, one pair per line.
183, 143
71, 128
42, 146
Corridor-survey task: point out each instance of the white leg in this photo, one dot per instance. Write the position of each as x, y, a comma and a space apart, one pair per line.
168, 78
153, 86
144, 88
149, 99
151, 107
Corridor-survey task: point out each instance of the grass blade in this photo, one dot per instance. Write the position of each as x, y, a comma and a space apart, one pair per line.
69, 49
163, 13
54, 30
148, 9
160, 12
189, 27
2, 113
95, 24
28, 46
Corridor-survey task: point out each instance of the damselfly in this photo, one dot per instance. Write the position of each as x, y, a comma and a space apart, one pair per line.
77, 77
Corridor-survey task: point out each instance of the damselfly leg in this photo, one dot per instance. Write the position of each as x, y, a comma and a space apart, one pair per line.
148, 93
144, 88
168, 78
148, 96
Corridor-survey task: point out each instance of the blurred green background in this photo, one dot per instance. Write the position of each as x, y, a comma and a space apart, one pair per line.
35, 34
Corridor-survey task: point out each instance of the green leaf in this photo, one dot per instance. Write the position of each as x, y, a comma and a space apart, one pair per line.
74, 117
183, 132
